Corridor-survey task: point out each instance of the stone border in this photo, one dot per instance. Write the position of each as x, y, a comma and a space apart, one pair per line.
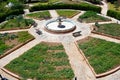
92, 69
11, 74
15, 48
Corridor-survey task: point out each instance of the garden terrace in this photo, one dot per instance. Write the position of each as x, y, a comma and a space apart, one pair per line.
67, 13
102, 55
39, 15
10, 40
46, 61
110, 29
91, 16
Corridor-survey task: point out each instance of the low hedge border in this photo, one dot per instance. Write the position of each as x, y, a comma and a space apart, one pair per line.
15, 48
82, 6
97, 75
113, 14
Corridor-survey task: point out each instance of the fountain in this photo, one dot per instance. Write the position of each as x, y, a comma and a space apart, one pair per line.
60, 25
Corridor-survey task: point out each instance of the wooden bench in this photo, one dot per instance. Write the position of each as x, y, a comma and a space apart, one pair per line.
76, 34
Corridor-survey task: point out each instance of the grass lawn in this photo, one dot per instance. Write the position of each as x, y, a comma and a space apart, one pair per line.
67, 13
45, 61
90, 16
16, 24
10, 40
102, 55
111, 29
113, 7
39, 15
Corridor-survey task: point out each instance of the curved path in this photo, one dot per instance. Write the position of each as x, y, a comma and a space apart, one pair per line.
104, 8
80, 67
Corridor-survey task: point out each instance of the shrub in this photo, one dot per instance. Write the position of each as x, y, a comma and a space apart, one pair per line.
3, 16
114, 14
82, 6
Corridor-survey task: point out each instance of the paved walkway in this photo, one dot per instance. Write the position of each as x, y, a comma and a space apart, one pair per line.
53, 14
11, 31
104, 8
105, 38
78, 64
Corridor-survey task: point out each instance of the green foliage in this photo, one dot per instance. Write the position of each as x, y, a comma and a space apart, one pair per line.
90, 16
67, 13
102, 55
111, 29
24, 36
42, 14
17, 23
81, 6
114, 14
43, 62
19, 37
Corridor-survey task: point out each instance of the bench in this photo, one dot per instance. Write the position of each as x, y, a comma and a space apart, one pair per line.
76, 34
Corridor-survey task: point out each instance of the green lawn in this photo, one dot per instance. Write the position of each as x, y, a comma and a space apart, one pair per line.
67, 13
102, 55
39, 15
10, 40
113, 7
16, 24
90, 16
45, 61
111, 29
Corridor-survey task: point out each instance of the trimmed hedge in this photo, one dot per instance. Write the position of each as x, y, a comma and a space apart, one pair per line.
82, 6
114, 14
3, 16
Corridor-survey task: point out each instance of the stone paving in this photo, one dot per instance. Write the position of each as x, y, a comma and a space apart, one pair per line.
78, 64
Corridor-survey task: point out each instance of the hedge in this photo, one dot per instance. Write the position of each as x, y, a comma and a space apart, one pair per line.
82, 6
114, 14
3, 16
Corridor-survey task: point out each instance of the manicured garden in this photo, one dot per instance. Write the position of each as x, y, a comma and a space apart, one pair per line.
102, 55
91, 16
10, 40
45, 61
67, 13
39, 15
110, 29
17, 23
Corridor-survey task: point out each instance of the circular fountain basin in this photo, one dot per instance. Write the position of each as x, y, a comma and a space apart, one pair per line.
67, 25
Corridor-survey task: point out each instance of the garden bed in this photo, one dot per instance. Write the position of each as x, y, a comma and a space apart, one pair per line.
102, 55
91, 16
39, 15
46, 61
11, 41
17, 23
67, 13
112, 29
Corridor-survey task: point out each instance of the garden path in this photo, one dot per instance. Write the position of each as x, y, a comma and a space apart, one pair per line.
53, 14
77, 61
11, 31
105, 38
104, 8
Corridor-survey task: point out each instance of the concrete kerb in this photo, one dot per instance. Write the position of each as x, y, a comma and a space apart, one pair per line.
11, 74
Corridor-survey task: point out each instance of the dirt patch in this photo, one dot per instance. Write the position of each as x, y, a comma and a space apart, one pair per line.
58, 68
